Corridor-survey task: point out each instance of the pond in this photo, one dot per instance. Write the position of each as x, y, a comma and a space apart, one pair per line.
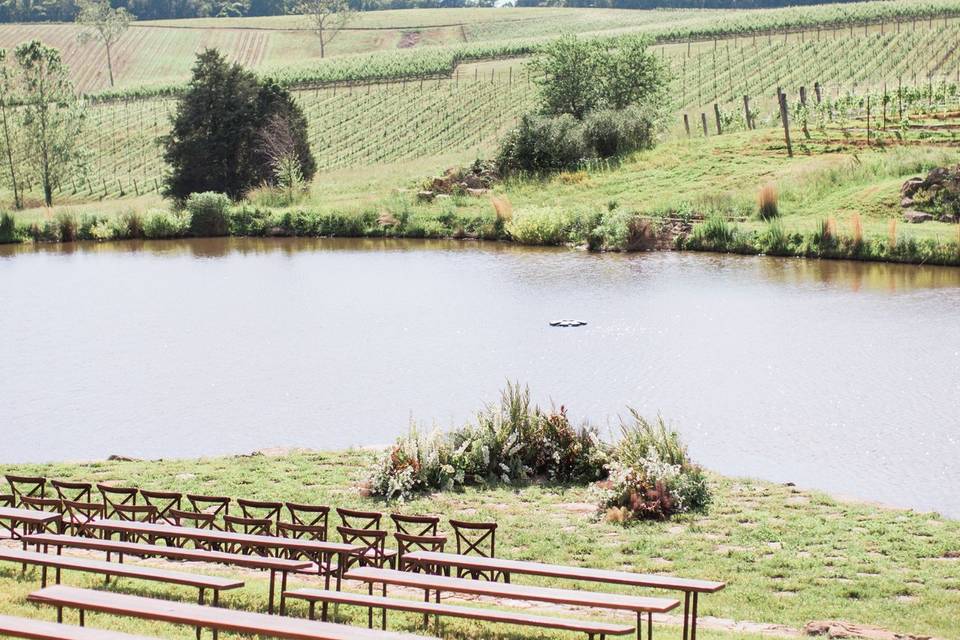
840, 376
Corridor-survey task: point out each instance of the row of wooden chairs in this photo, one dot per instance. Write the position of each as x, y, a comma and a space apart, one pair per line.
75, 501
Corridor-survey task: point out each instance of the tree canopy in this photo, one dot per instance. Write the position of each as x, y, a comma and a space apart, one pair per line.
217, 142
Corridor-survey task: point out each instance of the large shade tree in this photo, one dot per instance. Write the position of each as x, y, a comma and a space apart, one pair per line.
216, 142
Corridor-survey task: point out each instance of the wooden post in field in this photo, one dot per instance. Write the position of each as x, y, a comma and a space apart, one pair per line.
883, 101
803, 103
782, 98
746, 111
868, 120
900, 98
686, 124
818, 90
716, 113
703, 121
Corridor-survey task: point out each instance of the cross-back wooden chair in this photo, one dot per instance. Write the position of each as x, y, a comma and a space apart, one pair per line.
477, 539
415, 525
260, 509
81, 514
50, 505
306, 522
76, 491
353, 519
164, 501
114, 497
136, 513
407, 542
249, 526
217, 506
374, 553
26, 486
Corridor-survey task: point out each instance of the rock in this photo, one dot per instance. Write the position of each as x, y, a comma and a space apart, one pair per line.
840, 629
473, 181
906, 202
911, 186
916, 217
476, 193
948, 218
443, 196
425, 196
116, 458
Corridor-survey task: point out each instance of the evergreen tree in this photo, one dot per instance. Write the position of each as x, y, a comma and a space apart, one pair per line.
217, 140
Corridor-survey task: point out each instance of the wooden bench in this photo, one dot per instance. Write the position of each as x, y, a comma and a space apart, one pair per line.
320, 552
31, 520
112, 569
591, 628
691, 588
214, 618
43, 630
428, 582
281, 566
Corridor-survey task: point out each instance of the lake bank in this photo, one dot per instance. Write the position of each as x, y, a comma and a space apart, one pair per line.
790, 556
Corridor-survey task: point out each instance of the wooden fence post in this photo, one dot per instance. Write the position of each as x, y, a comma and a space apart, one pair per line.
703, 121
817, 89
716, 112
746, 111
868, 120
803, 103
686, 124
782, 97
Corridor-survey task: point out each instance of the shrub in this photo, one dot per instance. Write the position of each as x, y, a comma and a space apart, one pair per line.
209, 214
651, 476
8, 228
67, 224
541, 144
541, 226
623, 231
714, 233
609, 133
247, 220
159, 224
775, 240
767, 202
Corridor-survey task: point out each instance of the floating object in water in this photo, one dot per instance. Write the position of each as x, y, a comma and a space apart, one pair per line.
567, 323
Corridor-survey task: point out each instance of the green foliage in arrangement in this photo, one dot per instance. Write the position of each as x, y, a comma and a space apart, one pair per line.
231, 133
514, 441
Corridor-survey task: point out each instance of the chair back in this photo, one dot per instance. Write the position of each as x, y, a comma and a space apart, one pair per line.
415, 525
76, 491
26, 486
114, 497
80, 515
408, 542
136, 513
181, 518
476, 539
352, 519
164, 501
6, 500
373, 541
218, 506
260, 509
249, 526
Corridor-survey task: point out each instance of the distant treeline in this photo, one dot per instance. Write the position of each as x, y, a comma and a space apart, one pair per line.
66, 10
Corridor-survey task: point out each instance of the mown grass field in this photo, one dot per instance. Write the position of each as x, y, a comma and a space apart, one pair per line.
789, 556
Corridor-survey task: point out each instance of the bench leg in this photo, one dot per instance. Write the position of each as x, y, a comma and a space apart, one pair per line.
59, 615
639, 625
384, 609
216, 603
649, 625
313, 610
82, 617
370, 609
43, 577
200, 599
693, 623
273, 576
283, 592
426, 616
686, 614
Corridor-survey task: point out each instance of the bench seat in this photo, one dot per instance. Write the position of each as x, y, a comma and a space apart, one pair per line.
487, 615
42, 630
215, 618
114, 569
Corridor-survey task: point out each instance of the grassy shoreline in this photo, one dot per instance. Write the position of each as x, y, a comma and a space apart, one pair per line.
789, 556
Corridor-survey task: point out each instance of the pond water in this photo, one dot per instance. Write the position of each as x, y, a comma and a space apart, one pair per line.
834, 375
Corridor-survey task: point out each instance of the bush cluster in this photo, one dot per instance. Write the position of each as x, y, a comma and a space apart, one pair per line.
716, 233
543, 144
646, 474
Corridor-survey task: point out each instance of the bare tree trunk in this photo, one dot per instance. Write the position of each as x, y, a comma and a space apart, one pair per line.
322, 37
17, 204
110, 63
